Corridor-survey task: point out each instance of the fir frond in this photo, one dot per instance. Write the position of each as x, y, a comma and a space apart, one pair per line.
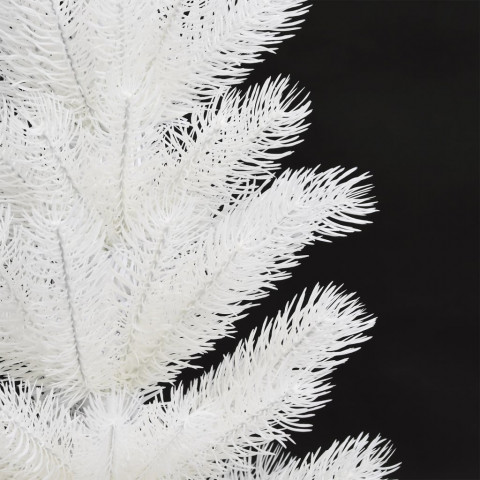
111, 443
172, 56
56, 270
45, 157
36, 434
215, 39
356, 458
44, 49
286, 368
234, 141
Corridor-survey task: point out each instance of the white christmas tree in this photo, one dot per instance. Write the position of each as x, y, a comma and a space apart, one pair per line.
141, 217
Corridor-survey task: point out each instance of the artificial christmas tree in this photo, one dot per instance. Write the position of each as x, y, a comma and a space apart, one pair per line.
142, 215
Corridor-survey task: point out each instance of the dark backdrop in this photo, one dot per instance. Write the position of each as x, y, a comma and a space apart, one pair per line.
394, 87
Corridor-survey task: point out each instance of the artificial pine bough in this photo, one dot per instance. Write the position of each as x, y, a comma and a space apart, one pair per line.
141, 216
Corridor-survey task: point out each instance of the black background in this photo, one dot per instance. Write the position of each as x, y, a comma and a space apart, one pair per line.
394, 88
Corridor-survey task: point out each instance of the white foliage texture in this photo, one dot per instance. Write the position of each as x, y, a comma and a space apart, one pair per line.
142, 215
